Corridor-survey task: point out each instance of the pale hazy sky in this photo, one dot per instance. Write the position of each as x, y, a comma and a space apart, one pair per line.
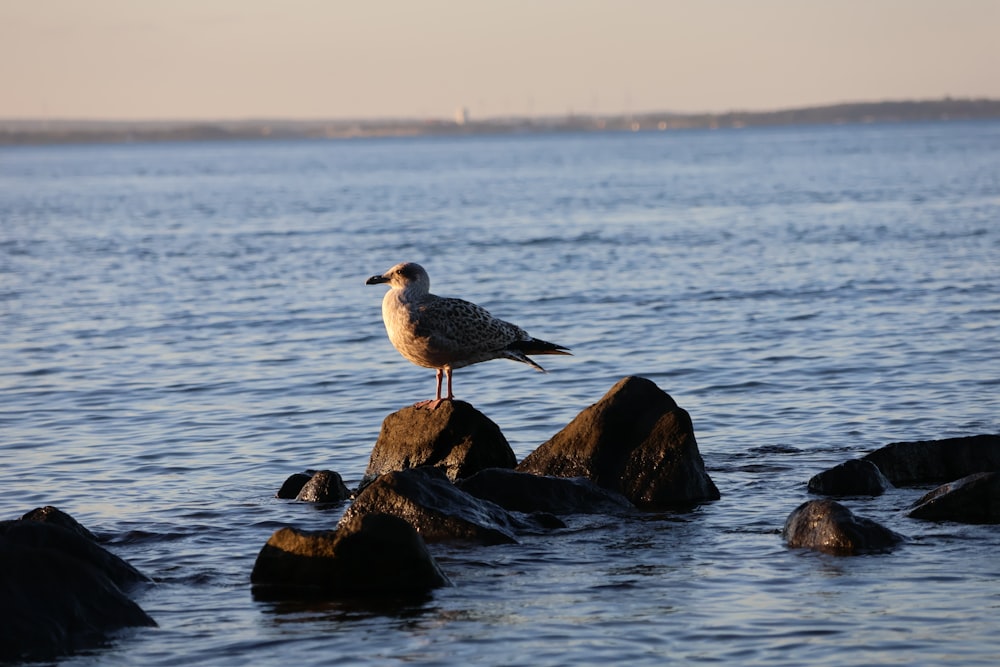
153, 59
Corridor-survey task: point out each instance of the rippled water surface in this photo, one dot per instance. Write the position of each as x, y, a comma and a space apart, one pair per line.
185, 325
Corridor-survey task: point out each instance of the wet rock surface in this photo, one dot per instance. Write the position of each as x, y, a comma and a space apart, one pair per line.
972, 499
828, 526
454, 437
370, 555
635, 441
851, 478
439, 510
325, 486
935, 461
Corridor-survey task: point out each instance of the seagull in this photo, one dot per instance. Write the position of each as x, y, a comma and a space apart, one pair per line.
446, 333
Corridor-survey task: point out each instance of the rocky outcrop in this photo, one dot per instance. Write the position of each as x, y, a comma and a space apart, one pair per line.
439, 510
828, 526
935, 461
454, 437
375, 555
59, 590
972, 499
852, 478
635, 441
525, 492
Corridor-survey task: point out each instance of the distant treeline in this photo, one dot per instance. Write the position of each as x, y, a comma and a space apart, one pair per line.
14, 132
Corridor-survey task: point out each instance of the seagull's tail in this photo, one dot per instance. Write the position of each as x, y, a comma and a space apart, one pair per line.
519, 350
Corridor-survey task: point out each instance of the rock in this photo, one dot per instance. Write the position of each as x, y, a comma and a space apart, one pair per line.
828, 526
972, 499
454, 437
372, 555
290, 489
437, 509
524, 492
635, 441
935, 461
851, 478
50, 514
59, 591
325, 486
47, 535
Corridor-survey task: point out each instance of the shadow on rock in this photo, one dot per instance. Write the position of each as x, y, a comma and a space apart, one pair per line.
525, 492
60, 591
972, 499
936, 461
440, 511
857, 477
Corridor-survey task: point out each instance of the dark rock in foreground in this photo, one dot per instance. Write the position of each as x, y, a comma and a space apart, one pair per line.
828, 526
935, 461
635, 441
972, 499
437, 509
857, 477
454, 437
371, 555
326, 486
59, 591
525, 492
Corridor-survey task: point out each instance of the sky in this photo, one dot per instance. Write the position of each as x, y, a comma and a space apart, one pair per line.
308, 59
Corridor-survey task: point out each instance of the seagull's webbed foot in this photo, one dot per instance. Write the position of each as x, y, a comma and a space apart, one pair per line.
431, 403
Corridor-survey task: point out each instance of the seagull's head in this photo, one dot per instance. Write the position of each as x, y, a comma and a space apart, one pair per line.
405, 276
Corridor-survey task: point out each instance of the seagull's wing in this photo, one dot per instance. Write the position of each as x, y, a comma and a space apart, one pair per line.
464, 328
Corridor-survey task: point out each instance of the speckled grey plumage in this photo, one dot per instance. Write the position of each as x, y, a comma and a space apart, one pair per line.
447, 333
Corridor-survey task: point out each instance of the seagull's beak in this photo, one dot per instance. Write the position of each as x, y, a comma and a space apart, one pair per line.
375, 280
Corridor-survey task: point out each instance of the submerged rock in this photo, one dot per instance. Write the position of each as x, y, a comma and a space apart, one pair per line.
326, 486
635, 441
59, 590
437, 509
935, 461
371, 555
851, 478
828, 526
972, 499
525, 492
454, 437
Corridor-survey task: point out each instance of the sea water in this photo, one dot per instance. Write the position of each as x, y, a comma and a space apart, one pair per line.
185, 325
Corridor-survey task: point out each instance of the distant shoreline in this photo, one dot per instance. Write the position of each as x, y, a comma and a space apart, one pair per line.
40, 132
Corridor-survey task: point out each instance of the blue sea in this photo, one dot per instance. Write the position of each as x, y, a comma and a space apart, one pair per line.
185, 325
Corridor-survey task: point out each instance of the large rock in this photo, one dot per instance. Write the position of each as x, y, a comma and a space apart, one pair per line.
635, 441
437, 509
454, 437
375, 555
935, 461
972, 499
59, 591
828, 526
856, 477
525, 492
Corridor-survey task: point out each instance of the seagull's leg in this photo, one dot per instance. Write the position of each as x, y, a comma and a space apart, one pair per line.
447, 371
437, 393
